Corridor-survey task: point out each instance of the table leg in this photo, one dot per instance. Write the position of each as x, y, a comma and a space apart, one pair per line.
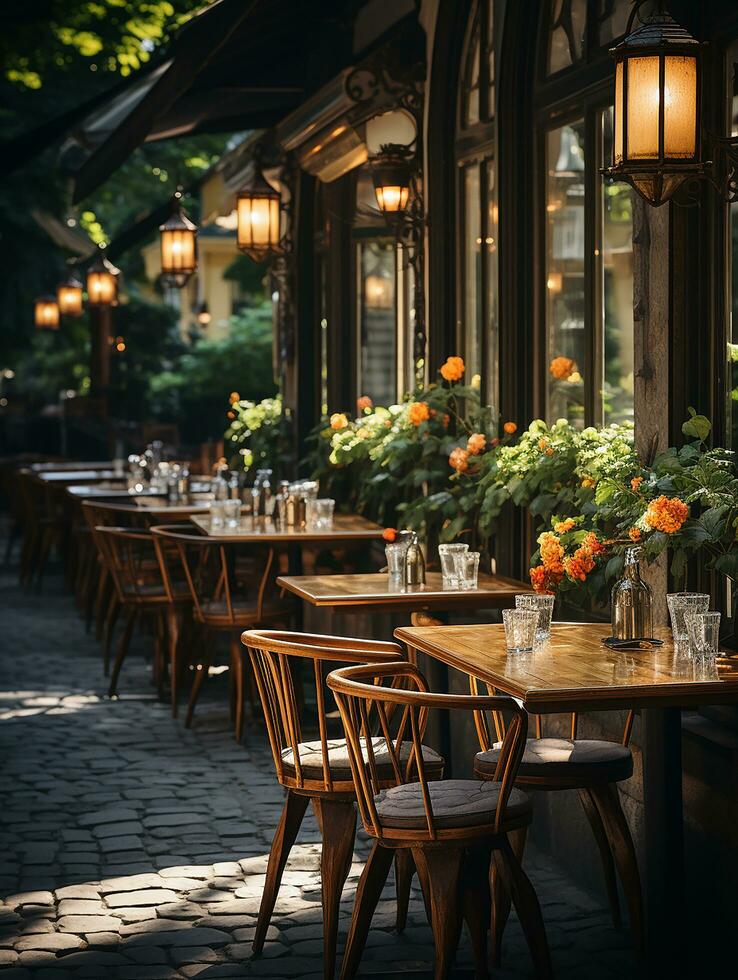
663, 874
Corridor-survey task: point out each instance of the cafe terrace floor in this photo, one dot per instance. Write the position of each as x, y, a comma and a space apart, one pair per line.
132, 848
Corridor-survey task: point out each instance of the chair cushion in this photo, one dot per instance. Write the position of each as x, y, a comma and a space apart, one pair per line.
552, 757
311, 758
455, 803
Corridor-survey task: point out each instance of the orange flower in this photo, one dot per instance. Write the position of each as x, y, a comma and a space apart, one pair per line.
666, 514
587, 481
636, 482
459, 460
389, 534
543, 444
363, 402
231, 415
495, 441
552, 553
549, 451
510, 427
538, 579
418, 412
453, 369
635, 534
338, 421
579, 565
476, 443
563, 526
562, 368
234, 397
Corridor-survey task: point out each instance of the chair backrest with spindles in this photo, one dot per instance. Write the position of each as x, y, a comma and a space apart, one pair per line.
129, 555
219, 575
277, 657
358, 689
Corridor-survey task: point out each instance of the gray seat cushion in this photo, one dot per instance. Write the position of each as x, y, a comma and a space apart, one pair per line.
544, 757
455, 803
311, 758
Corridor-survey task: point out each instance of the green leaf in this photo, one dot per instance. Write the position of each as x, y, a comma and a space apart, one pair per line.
697, 426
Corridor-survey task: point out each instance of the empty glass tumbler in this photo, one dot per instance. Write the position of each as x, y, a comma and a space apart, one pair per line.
232, 513
703, 629
395, 553
467, 570
681, 604
217, 513
319, 512
447, 554
543, 605
520, 629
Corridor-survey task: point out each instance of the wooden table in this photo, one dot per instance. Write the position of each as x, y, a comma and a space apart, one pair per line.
371, 593
77, 476
346, 527
60, 466
575, 672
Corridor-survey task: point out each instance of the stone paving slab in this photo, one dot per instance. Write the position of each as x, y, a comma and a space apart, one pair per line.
133, 848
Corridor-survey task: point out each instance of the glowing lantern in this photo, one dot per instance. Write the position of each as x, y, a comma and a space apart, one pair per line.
46, 313
102, 283
69, 297
178, 248
258, 208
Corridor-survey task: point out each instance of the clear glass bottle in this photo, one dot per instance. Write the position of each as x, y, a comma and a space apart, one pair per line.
631, 601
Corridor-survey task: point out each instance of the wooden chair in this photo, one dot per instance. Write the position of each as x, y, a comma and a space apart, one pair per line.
593, 767
318, 771
231, 589
130, 559
453, 826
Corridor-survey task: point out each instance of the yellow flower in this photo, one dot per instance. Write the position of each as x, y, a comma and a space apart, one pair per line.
587, 481
453, 369
561, 527
338, 421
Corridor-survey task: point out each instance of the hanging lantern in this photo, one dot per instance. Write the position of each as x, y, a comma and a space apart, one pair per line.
391, 176
656, 121
69, 297
102, 283
202, 314
46, 313
258, 209
178, 248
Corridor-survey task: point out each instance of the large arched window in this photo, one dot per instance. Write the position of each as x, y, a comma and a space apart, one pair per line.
477, 327
585, 230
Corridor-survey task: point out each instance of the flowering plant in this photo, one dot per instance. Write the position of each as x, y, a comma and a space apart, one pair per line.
258, 434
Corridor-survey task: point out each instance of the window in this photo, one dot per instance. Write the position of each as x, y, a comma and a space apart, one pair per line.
587, 286
384, 314
732, 325
477, 324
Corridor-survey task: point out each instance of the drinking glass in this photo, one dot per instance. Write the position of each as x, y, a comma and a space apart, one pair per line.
703, 629
395, 553
543, 605
325, 506
681, 604
217, 513
520, 629
466, 564
231, 512
447, 553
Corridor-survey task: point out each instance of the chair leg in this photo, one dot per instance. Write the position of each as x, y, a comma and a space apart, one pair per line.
371, 883
201, 672
289, 825
101, 605
526, 904
110, 620
337, 822
237, 692
501, 896
603, 845
477, 904
125, 642
623, 850
404, 871
441, 876
173, 649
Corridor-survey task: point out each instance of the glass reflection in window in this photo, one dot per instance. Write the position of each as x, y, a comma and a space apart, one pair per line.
732, 332
565, 272
568, 21
615, 254
472, 257
377, 321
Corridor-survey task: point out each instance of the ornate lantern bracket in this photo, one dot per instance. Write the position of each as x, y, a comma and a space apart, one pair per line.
397, 174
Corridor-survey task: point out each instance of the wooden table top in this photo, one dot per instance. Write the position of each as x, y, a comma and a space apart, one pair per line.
158, 506
70, 465
575, 671
346, 527
111, 490
371, 591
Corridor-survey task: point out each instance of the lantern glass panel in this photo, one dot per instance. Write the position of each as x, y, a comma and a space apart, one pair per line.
101, 288
680, 107
618, 113
69, 299
258, 222
392, 197
644, 100
47, 314
178, 250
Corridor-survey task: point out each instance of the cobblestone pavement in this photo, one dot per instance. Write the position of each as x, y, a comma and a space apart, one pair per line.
131, 848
